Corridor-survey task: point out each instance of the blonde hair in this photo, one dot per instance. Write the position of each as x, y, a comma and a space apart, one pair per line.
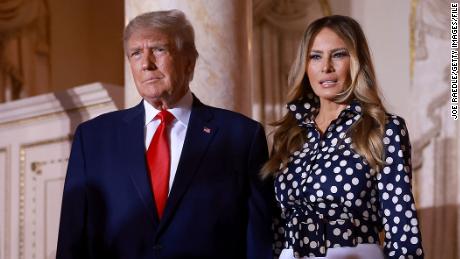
367, 132
173, 22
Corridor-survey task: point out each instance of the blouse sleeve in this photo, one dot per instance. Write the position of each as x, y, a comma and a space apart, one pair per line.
279, 222
397, 207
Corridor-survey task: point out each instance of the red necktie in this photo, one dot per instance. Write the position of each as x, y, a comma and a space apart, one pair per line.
158, 158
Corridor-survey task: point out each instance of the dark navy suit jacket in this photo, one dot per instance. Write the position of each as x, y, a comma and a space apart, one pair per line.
217, 208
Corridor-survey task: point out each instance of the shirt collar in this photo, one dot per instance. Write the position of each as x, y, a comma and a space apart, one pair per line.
181, 111
306, 108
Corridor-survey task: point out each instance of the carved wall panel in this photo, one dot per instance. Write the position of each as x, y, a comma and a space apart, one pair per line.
35, 139
41, 185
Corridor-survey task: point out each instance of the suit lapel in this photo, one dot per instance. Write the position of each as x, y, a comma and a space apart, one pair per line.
199, 135
132, 138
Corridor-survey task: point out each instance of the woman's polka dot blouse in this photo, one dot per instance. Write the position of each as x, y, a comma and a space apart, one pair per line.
330, 197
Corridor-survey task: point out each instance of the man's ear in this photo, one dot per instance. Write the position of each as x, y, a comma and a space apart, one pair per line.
190, 68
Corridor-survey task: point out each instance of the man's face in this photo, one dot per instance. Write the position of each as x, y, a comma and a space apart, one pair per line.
160, 72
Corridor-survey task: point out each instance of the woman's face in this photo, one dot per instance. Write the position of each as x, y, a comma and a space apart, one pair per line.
328, 65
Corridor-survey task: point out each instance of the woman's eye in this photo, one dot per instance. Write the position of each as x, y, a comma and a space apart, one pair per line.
340, 54
315, 56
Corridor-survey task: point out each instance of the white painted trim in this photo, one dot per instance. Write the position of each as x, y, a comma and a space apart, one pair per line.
80, 96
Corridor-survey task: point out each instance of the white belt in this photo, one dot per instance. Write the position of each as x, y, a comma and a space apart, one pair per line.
362, 251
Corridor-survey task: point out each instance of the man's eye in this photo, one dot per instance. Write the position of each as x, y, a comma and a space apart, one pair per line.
135, 53
159, 50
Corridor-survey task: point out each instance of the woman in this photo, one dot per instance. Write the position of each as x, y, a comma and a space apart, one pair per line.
341, 163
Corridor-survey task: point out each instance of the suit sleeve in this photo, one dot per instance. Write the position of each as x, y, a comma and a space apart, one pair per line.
259, 234
71, 239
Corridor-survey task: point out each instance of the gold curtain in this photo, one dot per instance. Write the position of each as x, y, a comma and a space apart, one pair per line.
24, 48
15, 14
278, 26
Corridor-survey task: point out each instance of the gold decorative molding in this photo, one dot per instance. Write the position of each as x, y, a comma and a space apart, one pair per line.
21, 201
412, 39
34, 215
36, 168
38, 165
326, 7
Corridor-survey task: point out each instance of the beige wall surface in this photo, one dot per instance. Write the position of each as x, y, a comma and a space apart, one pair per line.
86, 42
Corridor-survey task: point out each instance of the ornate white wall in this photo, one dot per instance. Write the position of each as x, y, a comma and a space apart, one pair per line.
35, 139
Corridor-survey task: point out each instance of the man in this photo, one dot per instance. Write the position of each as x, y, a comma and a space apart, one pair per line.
170, 177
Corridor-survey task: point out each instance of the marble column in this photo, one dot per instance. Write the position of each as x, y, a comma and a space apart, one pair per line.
222, 35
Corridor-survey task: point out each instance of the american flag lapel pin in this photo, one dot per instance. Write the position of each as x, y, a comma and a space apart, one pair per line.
207, 130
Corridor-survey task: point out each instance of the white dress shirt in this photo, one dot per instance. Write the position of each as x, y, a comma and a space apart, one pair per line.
176, 130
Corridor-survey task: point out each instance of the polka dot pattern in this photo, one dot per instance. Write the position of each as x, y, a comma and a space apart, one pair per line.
330, 197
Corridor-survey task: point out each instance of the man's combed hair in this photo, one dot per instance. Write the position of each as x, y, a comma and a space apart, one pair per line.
172, 22
366, 133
